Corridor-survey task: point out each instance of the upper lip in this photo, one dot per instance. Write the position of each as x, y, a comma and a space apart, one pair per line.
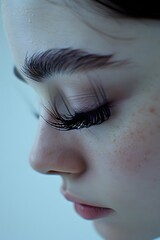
74, 199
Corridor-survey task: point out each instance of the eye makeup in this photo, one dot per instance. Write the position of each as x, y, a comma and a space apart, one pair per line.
87, 116
78, 120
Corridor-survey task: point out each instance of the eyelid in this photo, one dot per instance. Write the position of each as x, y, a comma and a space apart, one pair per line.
78, 120
85, 104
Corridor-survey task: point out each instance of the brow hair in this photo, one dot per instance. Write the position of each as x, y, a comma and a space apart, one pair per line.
41, 65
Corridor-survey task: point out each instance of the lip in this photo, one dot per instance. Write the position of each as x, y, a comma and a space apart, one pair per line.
87, 211
92, 212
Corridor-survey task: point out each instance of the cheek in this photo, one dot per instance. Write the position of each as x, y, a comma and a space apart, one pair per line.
136, 152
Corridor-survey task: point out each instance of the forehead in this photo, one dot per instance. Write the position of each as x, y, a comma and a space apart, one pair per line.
40, 24
34, 25
58, 12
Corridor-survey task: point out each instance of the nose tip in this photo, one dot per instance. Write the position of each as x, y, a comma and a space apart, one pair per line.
66, 162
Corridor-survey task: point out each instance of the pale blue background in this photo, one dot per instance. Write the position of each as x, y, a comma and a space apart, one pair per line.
31, 206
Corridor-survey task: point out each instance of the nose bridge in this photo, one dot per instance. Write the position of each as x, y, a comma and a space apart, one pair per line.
56, 152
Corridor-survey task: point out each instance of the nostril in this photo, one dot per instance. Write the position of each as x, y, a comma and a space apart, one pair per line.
52, 172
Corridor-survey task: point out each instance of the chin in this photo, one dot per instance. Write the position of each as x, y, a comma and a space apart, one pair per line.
101, 229
109, 231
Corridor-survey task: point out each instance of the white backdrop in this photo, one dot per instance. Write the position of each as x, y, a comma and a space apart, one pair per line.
31, 206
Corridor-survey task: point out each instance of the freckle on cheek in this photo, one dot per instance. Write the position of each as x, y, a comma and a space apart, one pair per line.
152, 110
131, 133
131, 158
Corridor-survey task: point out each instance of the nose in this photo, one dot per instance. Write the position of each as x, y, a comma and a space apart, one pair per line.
55, 152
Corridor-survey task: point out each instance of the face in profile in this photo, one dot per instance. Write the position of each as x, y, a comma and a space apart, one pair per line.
97, 75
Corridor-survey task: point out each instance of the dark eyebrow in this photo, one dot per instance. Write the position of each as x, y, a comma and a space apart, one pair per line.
53, 62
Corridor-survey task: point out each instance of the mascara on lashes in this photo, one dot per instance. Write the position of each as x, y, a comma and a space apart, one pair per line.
78, 120
82, 118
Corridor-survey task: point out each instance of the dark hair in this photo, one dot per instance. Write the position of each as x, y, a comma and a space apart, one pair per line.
133, 8
125, 8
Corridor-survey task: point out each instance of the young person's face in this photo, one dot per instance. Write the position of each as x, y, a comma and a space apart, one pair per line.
115, 164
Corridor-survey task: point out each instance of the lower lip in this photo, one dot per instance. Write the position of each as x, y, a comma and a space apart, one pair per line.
90, 212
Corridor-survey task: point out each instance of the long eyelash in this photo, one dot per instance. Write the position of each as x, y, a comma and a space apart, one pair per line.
78, 120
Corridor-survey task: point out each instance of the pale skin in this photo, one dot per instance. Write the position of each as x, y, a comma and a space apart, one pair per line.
115, 164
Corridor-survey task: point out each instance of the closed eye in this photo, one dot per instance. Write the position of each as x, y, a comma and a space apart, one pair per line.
83, 118
79, 120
